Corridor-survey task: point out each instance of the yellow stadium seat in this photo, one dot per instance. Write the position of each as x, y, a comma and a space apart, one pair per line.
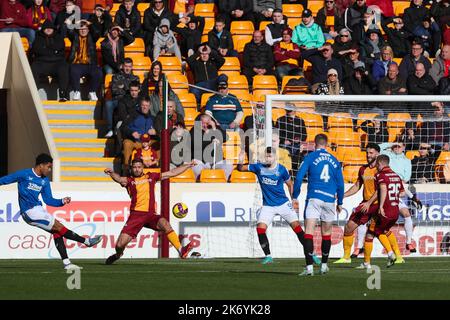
209, 25
293, 22
311, 133
205, 98
345, 138
292, 10
142, 7
231, 153
365, 116
213, 176
329, 22
188, 100
265, 82
189, 116
398, 120
238, 82
397, 60
239, 92
178, 82
170, 64
242, 27
239, 41
142, 63
350, 173
340, 120
114, 9
246, 100
443, 158
277, 113
353, 155
286, 79
25, 44
242, 177
186, 177
136, 46
315, 6
264, 24
400, 6
231, 64
134, 55
204, 38
411, 154
306, 65
311, 119
205, 10
260, 94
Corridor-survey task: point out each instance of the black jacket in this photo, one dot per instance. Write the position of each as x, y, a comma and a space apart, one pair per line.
422, 86
204, 71
152, 21
48, 49
191, 39
373, 136
127, 109
414, 15
92, 51
322, 17
258, 55
100, 28
206, 142
354, 86
107, 56
385, 84
226, 6
444, 86
224, 42
399, 40
422, 168
291, 129
134, 18
367, 51
320, 66
441, 13
120, 84
408, 66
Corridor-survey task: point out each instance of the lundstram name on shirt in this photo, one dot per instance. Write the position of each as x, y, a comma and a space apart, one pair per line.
92, 211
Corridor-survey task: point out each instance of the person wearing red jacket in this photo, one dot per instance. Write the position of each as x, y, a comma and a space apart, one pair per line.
286, 55
37, 14
13, 18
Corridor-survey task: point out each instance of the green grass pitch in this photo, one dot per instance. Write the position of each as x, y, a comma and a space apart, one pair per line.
418, 278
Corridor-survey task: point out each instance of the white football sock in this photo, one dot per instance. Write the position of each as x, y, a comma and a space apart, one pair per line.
408, 229
361, 235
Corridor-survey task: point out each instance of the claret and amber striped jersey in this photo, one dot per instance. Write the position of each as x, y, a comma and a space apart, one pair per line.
142, 192
366, 178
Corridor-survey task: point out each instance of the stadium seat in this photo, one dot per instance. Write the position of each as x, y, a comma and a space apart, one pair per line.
142, 64
204, 99
311, 133
400, 6
136, 46
365, 116
238, 82
205, 10
396, 123
344, 137
239, 41
329, 22
133, 55
209, 25
306, 65
292, 10
142, 7
231, 153
178, 82
260, 94
242, 27
443, 158
293, 22
114, 9
411, 154
286, 79
186, 177
170, 64
315, 6
311, 119
25, 44
246, 100
231, 64
239, 92
340, 120
213, 176
242, 177
397, 60
350, 155
277, 113
188, 100
189, 116
265, 82
264, 24
350, 173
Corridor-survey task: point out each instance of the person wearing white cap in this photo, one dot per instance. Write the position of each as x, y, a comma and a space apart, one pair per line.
331, 86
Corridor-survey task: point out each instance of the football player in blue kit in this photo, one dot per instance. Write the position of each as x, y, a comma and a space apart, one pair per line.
325, 184
272, 176
32, 183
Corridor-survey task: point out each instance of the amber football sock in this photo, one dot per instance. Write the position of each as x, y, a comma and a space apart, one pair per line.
385, 242
348, 242
174, 240
393, 241
368, 247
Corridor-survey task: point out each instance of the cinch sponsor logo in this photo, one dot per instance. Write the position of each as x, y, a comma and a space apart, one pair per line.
207, 209
7, 214
92, 211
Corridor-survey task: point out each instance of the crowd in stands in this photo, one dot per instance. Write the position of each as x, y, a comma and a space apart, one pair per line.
360, 47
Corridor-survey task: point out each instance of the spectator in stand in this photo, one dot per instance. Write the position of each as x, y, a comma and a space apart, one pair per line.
368, 22
67, 19
376, 130
430, 34
48, 58
273, 31
436, 131
413, 16
128, 106
153, 77
141, 123
292, 131
397, 37
129, 18
204, 134
191, 34
164, 41
152, 18
322, 60
444, 88
380, 67
220, 39
224, 107
205, 65
440, 10
361, 82
258, 57
409, 62
308, 34
37, 14
343, 44
236, 10
180, 149
56, 6
88, 6
353, 15
423, 165
393, 83
371, 47
13, 18
147, 152
349, 60
386, 7
263, 10
332, 85
120, 85
83, 61
282, 154
101, 21
156, 100
399, 163
182, 7
329, 10
173, 117
113, 49
286, 55
420, 82
441, 65
410, 137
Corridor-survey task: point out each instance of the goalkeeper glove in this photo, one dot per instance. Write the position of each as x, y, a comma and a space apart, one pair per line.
416, 202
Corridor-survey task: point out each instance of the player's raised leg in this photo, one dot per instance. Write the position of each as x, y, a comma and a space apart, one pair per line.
172, 236
408, 225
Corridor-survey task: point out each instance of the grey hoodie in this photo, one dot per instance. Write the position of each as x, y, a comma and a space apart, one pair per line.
164, 40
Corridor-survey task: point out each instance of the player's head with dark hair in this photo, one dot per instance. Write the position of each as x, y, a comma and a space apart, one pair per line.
321, 140
374, 146
382, 161
137, 167
43, 165
372, 152
270, 156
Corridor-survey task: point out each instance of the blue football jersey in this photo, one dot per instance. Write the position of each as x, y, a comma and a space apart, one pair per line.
325, 179
30, 186
272, 183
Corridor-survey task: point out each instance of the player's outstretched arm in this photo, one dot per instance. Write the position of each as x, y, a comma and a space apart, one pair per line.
353, 189
299, 179
241, 167
116, 177
47, 196
177, 171
11, 178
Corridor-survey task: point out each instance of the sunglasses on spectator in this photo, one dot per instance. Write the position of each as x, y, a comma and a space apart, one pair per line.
158, 2
396, 146
332, 75
423, 148
344, 36
329, 1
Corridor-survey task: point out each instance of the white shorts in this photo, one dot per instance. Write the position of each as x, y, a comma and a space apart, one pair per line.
318, 209
285, 211
39, 217
402, 204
